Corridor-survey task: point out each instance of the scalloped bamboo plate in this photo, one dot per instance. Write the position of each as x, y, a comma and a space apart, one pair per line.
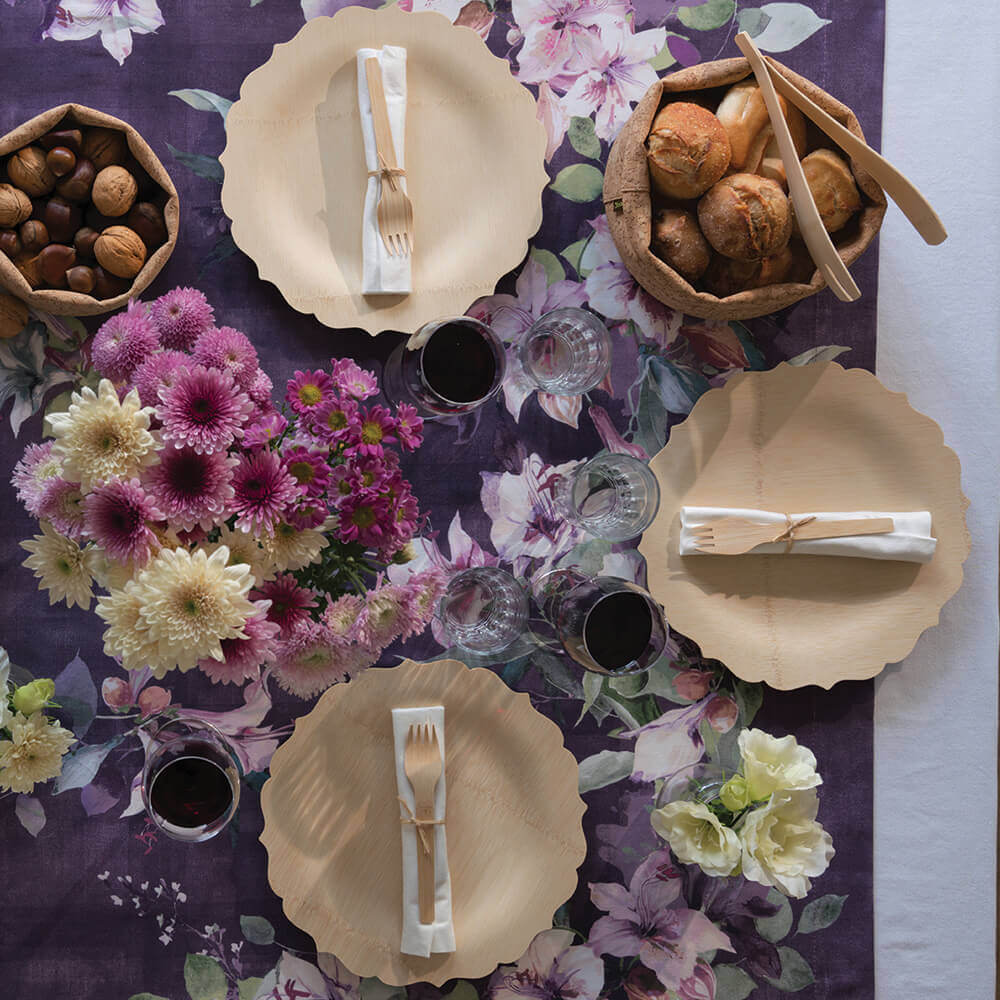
806, 438
295, 170
331, 821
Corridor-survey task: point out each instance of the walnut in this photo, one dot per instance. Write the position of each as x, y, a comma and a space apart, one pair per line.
13, 316
29, 171
114, 191
15, 206
120, 251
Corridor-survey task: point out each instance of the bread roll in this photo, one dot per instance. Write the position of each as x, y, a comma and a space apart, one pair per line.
677, 241
745, 217
725, 276
765, 157
743, 114
833, 188
687, 150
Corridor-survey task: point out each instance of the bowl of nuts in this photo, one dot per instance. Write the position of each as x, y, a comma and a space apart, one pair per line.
696, 194
88, 214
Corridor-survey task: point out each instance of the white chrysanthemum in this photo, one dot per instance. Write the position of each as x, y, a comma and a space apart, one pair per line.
127, 635
245, 548
294, 549
109, 573
5, 712
33, 753
62, 567
99, 438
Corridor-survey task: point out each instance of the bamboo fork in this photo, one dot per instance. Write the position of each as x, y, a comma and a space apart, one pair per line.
734, 536
395, 210
422, 765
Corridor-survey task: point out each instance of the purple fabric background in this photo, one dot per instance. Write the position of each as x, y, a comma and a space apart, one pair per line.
59, 936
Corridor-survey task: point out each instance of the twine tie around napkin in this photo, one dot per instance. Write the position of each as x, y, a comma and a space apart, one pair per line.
387, 173
410, 819
788, 535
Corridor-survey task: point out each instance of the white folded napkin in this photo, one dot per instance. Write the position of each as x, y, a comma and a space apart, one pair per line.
382, 274
423, 939
909, 541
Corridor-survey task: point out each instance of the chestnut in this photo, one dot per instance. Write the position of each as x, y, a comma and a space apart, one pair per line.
60, 160
34, 235
104, 146
30, 268
98, 220
76, 185
62, 219
10, 242
54, 261
84, 241
147, 220
81, 279
70, 138
108, 286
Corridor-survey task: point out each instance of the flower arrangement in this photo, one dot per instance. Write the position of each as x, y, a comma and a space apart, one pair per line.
761, 821
227, 533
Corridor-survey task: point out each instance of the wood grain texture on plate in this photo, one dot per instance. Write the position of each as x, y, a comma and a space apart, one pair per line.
815, 437
295, 172
514, 821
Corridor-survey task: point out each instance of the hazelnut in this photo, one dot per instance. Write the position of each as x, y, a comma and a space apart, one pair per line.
10, 242
29, 171
54, 261
120, 251
147, 220
114, 191
104, 146
62, 219
75, 186
15, 206
29, 268
34, 235
71, 138
81, 279
84, 241
60, 160
13, 316
107, 286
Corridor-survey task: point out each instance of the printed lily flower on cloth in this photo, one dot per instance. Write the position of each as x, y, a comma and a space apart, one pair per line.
113, 20
552, 968
25, 376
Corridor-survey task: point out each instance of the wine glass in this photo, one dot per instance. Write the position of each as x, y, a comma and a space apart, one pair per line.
483, 609
566, 352
190, 780
608, 625
447, 368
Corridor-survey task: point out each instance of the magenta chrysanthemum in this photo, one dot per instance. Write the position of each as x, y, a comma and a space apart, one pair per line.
290, 603
309, 391
337, 420
203, 410
116, 515
313, 657
259, 390
124, 342
409, 426
192, 488
228, 350
378, 428
309, 470
158, 371
61, 506
352, 379
307, 516
364, 519
263, 490
262, 432
32, 473
181, 316
243, 658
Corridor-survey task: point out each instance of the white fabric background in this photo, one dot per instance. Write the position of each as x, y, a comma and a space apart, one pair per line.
938, 337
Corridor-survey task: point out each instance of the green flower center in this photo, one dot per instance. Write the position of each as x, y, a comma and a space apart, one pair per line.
309, 394
367, 478
336, 420
286, 530
302, 471
363, 517
371, 432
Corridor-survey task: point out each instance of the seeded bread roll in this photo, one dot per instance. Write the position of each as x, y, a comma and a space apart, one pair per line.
833, 188
743, 114
687, 150
677, 241
745, 217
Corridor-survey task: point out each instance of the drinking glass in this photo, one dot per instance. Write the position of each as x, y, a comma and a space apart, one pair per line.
191, 780
484, 609
614, 497
447, 368
566, 352
607, 625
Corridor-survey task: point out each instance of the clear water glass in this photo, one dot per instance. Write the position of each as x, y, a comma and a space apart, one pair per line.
614, 497
190, 780
566, 352
484, 609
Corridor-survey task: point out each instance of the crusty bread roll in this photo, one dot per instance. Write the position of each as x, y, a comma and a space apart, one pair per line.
833, 188
725, 276
743, 114
765, 157
677, 241
745, 217
687, 150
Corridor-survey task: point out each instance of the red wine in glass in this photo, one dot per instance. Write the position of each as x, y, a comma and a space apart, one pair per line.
191, 792
617, 630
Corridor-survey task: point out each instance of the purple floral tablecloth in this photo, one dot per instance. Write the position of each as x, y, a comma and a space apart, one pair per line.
95, 903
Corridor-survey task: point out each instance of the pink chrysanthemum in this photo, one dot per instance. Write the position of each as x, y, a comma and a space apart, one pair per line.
181, 316
32, 473
228, 350
343, 617
243, 658
378, 428
386, 616
309, 470
309, 391
259, 390
263, 491
337, 420
312, 658
409, 426
426, 590
116, 515
158, 371
290, 603
307, 516
365, 519
192, 488
203, 410
61, 506
124, 342
350, 378
262, 432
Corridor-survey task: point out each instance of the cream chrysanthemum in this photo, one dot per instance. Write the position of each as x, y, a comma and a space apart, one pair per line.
127, 635
61, 566
295, 549
244, 548
99, 438
109, 573
33, 753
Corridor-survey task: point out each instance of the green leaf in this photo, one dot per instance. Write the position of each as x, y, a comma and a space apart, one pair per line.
225, 247
579, 182
464, 990
795, 972
373, 988
152, 996
205, 100
203, 166
708, 16
80, 766
775, 928
817, 354
583, 138
663, 59
31, 813
204, 978
248, 987
820, 913
749, 698
593, 684
629, 686
574, 252
752, 21
788, 25
605, 768
257, 930
732, 983
550, 264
